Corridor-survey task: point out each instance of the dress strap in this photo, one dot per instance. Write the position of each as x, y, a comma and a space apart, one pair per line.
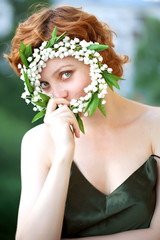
155, 156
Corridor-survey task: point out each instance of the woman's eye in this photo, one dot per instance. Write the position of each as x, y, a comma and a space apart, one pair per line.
66, 75
44, 85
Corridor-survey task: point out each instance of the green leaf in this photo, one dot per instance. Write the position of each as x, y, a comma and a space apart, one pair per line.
60, 37
54, 33
115, 77
51, 42
109, 84
41, 104
38, 115
97, 47
28, 51
94, 104
111, 79
29, 87
44, 97
102, 107
23, 46
23, 58
80, 122
88, 104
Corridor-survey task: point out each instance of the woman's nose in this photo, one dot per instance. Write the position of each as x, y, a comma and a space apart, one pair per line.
59, 92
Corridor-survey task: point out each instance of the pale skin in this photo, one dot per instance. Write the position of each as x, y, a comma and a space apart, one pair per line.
48, 150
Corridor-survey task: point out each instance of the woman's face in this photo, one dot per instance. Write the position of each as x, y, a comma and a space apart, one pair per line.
65, 78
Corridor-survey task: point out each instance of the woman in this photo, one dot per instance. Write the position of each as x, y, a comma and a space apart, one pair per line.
104, 184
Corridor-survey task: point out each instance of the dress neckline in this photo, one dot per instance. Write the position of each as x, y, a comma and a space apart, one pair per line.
150, 159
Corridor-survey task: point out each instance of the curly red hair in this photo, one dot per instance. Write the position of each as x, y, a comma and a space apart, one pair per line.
73, 21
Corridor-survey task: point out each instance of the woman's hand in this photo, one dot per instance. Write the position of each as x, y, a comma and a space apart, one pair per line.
59, 122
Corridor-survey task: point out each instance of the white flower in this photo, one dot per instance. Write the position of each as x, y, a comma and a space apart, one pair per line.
56, 46
75, 110
96, 54
23, 95
66, 54
19, 66
37, 89
38, 76
67, 44
33, 74
73, 101
80, 58
66, 39
33, 69
100, 86
100, 58
76, 104
109, 70
44, 58
80, 109
72, 42
86, 114
44, 65
35, 109
95, 60
22, 77
52, 55
76, 40
61, 55
36, 98
95, 89
44, 44
61, 44
72, 46
86, 97
104, 101
84, 44
70, 51
29, 59
100, 95
35, 55
57, 54
35, 93
27, 101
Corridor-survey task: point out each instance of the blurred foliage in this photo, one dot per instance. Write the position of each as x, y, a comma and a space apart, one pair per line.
15, 120
147, 63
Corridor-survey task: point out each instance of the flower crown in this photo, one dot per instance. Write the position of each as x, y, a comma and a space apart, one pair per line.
62, 46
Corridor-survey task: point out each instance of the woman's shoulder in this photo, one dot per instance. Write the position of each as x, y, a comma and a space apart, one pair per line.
37, 134
146, 112
38, 141
151, 120
151, 114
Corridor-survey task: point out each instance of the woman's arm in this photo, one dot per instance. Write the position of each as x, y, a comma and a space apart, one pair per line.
43, 193
44, 187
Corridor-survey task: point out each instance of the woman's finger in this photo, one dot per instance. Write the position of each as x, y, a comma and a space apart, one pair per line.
54, 102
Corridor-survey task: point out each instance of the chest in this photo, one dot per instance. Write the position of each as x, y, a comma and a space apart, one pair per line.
107, 161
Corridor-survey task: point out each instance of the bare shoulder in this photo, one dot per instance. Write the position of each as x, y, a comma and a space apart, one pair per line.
38, 141
38, 133
147, 118
151, 119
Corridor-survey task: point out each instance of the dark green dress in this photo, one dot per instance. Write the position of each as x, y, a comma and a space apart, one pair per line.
89, 212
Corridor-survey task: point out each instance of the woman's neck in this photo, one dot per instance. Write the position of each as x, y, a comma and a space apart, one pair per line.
115, 109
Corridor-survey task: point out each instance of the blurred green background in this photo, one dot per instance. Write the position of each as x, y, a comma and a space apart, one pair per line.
15, 116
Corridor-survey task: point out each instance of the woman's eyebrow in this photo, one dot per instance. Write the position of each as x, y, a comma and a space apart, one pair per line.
61, 67
57, 70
